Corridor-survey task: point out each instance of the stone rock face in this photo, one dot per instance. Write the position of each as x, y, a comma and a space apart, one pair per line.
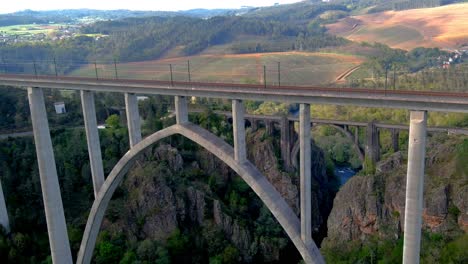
460, 200
263, 156
392, 162
170, 155
436, 207
355, 210
158, 201
151, 212
239, 236
196, 205
375, 204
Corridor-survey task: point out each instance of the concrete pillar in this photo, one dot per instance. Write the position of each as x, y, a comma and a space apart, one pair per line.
254, 125
305, 173
269, 127
133, 118
92, 137
238, 122
395, 140
4, 221
181, 109
56, 225
414, 187
373, 145
292, 134
356, 135
284, 142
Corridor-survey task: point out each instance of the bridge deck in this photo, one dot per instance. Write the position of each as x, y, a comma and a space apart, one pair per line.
413, 100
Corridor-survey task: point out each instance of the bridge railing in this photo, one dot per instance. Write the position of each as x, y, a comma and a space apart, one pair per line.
269, 73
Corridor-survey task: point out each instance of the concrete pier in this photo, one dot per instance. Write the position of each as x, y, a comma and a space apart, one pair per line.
395, 140
92, 138
238, 122
305, 173
181, 110
414, 187
356, 135
372, 151
285, 143
269, 127
254, 124
133, 118
4, 221
56, 225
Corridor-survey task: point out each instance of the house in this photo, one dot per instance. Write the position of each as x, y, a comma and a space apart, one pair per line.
60, 108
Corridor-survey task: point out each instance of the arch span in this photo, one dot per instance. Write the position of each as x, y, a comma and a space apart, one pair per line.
249, 173
295, 149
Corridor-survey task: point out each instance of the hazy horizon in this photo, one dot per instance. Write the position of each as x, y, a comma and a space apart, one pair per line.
137, 5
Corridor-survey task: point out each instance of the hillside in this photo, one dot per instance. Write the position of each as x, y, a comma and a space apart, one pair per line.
367, 218
296, 68
444, 27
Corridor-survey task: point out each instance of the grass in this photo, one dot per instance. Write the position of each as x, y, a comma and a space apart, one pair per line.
29, 29
443, 26
296, 68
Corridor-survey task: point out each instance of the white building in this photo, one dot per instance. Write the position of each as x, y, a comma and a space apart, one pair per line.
60, 107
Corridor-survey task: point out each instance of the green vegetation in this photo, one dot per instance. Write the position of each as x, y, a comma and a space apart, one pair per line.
28, 29
435, 248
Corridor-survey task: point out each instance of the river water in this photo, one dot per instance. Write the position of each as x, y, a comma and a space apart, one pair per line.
344, 174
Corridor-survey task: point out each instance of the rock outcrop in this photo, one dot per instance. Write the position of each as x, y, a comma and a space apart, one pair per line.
159, 196
374, 205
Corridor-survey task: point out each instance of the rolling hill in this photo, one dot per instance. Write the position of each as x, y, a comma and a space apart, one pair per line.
444, 27
303, 68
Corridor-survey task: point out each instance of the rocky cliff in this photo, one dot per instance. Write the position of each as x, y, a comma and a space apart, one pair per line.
170, 190
374, 205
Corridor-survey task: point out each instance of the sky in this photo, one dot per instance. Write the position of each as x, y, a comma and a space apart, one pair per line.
8, 6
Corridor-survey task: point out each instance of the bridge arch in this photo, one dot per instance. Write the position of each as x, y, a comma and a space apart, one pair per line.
218, 147
296, 147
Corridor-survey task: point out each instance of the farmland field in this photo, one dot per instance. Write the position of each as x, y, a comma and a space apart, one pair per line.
300, 68
29, 29
444, 26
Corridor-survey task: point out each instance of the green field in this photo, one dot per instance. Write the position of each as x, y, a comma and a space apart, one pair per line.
30, 29
299, 68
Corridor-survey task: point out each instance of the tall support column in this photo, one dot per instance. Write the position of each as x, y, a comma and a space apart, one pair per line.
356, 135
181, 109
373, 144
414, 187
285, 146
92, 137
4, 221
395, 140
269, 127
305, 173
56, 226
238, 112
254, 124
292, 136
133, 118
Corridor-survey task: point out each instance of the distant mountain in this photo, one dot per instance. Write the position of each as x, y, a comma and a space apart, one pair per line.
72, 15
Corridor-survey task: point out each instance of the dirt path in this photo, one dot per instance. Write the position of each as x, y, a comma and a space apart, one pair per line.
342, 77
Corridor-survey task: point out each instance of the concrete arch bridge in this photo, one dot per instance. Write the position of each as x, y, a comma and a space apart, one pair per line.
299, 230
